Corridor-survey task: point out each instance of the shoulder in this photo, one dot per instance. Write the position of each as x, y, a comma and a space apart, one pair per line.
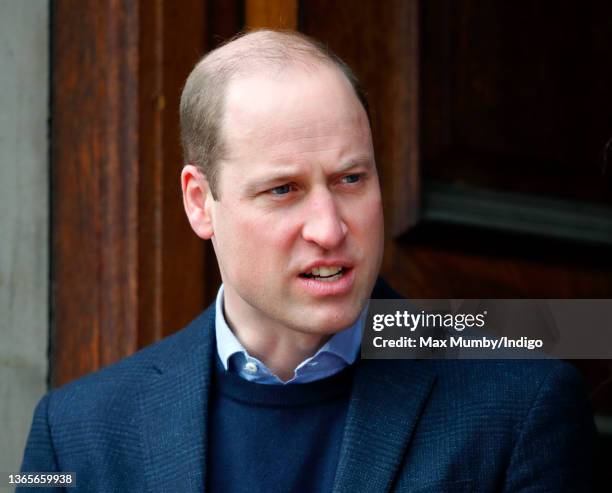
515, 384
534, 413
511, 385
517, 419
509, 390
507, 374
111, 391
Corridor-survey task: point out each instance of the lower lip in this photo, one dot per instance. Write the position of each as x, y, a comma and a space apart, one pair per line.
329, 288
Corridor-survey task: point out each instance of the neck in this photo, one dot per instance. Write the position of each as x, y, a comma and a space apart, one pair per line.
280, 348
280, 353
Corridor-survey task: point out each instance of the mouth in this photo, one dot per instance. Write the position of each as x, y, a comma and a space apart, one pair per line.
324, 281
325, 274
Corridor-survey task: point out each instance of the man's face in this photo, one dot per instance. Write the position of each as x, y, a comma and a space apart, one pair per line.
298, 227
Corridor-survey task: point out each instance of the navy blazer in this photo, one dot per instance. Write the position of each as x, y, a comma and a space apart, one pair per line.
412, 425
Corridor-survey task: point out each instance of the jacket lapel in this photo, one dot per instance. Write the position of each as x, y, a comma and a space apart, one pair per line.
174, 410
387, 400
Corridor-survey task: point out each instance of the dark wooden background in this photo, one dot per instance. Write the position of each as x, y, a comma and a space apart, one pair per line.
488, 94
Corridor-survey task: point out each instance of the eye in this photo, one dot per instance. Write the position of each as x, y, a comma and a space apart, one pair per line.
354, 178
282, 189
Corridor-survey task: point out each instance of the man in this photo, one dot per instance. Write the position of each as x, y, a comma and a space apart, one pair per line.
265, 391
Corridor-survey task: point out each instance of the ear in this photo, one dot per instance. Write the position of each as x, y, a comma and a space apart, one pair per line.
197, 200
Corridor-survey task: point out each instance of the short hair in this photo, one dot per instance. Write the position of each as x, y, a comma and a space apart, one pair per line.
202, 100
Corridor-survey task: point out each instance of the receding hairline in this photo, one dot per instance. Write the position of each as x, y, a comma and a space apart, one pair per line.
260, 52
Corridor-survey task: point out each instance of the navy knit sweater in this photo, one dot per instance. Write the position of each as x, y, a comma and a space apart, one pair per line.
275, 438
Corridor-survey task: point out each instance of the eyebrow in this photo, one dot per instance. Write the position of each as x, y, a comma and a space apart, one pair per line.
290, 174
359, 161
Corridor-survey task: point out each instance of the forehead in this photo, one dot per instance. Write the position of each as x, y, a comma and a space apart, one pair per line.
293, 111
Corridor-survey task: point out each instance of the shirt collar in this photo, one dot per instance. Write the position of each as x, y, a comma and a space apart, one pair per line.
344, 346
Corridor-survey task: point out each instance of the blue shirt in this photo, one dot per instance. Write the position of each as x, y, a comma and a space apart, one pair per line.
337, 353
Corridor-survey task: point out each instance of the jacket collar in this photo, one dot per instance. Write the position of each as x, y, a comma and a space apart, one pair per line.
387, 399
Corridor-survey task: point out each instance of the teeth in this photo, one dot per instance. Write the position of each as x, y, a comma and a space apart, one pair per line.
329, 279
326, 271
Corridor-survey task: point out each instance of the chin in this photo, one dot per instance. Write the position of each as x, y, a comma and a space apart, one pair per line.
330, 322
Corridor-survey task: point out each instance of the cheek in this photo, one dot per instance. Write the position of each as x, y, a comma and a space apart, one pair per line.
259, 243
367, 219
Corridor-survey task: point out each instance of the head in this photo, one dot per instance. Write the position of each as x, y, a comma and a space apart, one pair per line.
281, 176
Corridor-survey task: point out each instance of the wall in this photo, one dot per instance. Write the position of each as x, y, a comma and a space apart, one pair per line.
24, 219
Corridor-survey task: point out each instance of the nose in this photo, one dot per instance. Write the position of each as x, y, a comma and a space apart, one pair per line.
324, 224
